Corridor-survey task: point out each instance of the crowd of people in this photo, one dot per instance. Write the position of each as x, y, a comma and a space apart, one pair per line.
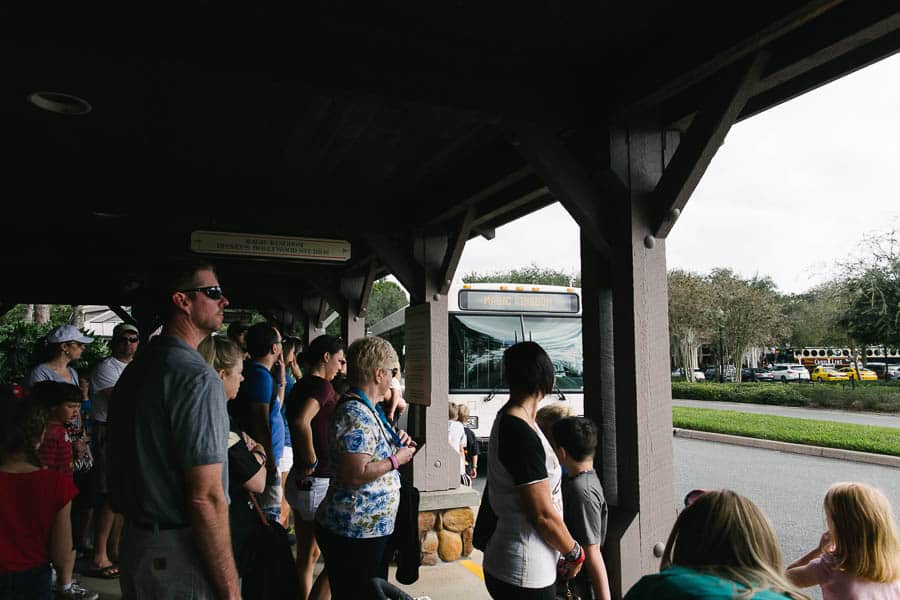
197, 452
183, 452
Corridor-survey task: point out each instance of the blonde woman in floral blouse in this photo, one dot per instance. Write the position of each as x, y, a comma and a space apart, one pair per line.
356, 518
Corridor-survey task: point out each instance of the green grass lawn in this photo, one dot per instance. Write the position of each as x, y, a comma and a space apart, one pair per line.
863, 438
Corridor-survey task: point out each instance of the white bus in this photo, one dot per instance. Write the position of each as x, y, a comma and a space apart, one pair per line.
487, 318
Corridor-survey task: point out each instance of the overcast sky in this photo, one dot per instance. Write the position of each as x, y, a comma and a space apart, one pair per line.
791, 192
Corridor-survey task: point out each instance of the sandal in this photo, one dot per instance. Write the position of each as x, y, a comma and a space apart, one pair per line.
107, 572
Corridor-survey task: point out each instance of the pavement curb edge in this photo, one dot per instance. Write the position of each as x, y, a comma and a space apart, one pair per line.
851, 455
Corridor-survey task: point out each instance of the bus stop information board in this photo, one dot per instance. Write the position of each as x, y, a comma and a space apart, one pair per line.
270, 246
417, 371
502, 301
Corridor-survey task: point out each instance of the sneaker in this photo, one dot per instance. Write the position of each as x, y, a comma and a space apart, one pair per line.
75, 592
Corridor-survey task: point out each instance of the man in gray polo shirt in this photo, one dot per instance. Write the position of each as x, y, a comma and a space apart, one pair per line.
168, 429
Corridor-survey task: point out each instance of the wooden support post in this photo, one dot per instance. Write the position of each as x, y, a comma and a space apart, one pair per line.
625, 332
353, 326
641, 402
435, 467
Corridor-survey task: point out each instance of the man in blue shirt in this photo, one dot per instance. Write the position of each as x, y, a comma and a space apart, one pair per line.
259, 402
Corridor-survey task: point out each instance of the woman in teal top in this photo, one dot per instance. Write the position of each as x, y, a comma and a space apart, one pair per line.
721, 546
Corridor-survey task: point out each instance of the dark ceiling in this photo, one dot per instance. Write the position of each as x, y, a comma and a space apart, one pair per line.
344, 120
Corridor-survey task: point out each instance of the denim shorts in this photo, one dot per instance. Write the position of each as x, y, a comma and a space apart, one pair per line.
31, 584
305, 494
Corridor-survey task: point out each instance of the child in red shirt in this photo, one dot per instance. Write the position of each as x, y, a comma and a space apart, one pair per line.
62, 401
34, 506
36, 502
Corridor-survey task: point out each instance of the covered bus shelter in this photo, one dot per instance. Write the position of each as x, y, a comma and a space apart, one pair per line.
391, 134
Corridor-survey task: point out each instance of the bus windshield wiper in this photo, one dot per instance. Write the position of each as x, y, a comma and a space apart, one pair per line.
559, 393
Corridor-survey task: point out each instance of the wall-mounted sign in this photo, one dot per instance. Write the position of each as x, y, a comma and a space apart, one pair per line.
270, 246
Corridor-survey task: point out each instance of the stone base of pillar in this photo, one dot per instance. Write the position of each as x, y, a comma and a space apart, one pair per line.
446, 521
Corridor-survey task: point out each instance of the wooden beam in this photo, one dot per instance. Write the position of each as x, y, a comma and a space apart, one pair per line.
488, 216
829, 40
123, 314
483, 194
843, 40
659, 83
702, 141
401, 266
366, 292
455, 246
487, 233
569, 183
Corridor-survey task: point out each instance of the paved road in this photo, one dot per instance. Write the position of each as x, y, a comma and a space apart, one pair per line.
788, 487
879, 419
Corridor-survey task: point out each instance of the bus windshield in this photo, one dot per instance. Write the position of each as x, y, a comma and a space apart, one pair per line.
561, 338
477, 343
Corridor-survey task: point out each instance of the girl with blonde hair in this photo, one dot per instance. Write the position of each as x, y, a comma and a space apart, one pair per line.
859, 556
721, 546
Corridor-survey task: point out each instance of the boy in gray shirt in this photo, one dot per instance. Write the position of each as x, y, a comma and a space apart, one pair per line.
584, 507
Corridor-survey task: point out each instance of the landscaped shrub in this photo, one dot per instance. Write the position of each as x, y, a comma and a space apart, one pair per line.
753, 393
871, 396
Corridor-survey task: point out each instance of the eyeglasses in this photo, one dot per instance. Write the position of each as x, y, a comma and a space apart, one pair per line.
392, 370
213, 292
130, 339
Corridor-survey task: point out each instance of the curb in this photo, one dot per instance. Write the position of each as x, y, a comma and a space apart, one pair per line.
837, 453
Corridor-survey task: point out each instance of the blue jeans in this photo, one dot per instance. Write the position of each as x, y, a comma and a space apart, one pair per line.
33, 584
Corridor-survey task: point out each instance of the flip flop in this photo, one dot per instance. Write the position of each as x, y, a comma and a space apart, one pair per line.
107, 572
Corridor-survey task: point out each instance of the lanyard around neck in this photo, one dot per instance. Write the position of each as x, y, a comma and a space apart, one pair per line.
379, 414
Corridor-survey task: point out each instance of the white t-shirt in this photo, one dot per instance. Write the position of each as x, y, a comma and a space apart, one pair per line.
104, 376
516, 552
457, 438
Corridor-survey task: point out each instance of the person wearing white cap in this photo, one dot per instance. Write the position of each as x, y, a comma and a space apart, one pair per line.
65, 344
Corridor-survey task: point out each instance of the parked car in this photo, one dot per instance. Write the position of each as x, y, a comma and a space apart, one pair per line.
712, 373
884, 370
827, 373
789, 372
678, 375
753, 374
765, 375
863, 374
893, 372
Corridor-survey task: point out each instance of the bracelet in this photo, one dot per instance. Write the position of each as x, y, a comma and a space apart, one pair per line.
394, 461
575, 555
313, 464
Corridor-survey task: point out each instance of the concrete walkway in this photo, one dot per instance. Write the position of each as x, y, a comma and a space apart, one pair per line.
842, 416
460, 580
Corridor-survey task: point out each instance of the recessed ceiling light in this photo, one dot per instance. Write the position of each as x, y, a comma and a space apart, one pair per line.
57, 102
106, 214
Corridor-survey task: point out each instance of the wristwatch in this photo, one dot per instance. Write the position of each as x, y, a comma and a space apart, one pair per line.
575, 555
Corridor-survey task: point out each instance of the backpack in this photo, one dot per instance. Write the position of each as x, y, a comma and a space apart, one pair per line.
471, 447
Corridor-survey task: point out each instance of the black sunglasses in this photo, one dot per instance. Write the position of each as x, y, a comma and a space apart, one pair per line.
393, 370
213, 292
130, 339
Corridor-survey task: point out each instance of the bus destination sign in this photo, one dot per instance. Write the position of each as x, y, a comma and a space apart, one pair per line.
503, 301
